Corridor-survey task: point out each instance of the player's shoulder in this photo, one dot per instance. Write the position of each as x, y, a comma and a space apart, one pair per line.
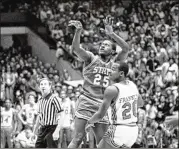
111, 91
25, 107
2, 109
14, 110
132, 83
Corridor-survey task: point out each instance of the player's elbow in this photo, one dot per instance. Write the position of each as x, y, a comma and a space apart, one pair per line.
100, 115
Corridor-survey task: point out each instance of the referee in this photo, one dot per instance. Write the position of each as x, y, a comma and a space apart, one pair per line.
49, 119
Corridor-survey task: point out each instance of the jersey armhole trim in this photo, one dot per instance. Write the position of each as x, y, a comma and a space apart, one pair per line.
86, 67
114, 100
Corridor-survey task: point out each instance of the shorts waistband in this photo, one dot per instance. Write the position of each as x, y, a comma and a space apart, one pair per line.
48, 126
130, 124
92, 99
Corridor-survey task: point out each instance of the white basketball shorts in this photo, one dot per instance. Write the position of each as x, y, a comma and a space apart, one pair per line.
121, 135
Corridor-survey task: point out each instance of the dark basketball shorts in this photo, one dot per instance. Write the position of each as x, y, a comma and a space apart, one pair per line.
86, 108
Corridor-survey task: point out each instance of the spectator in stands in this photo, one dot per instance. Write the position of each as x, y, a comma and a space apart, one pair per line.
25, 139
10, 80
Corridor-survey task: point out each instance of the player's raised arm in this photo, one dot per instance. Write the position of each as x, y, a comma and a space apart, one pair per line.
108, 22
110, 94
80, 52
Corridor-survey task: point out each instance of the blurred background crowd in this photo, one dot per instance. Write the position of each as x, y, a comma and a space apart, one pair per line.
151, 30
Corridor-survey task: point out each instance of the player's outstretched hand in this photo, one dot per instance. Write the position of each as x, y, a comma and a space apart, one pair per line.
88, 126
108, 23
55, 135
76, 24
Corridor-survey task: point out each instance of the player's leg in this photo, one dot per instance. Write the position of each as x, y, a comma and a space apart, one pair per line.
99, 131
3, 141
79, 132
104, 144
92, 143
49, 138
40, 142
8, 137
68, 135
61, 138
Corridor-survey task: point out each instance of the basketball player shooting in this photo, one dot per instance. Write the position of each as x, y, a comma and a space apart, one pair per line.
124, 99
96, 72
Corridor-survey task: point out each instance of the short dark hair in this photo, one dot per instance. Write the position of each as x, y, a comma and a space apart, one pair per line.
124, 67
45, 78
113, 46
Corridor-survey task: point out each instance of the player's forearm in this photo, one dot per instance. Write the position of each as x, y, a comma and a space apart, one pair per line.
19, 116
60, 119
96, 118
76, 41
121, 42
30, 144
37, 124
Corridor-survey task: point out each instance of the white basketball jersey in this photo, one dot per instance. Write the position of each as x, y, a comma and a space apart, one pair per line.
30, 113
7, 117
66, 106
124, 109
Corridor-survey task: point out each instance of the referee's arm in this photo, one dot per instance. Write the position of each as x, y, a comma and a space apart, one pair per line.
60, 114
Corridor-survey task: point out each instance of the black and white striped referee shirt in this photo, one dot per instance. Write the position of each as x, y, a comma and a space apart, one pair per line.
48, 108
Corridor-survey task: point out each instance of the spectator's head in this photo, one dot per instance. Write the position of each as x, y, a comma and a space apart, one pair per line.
77, 94
107, 48
72, 96
28, 133
158, 71
56, 78
130, 65
139, 82
63, 95
70, 89
169, 92
31, 98
162, 21
144, 74
171, 61
64, 87
8, 104
171, 98
162, 98
158, 89
152, 54
45, 86
80, 87
8, 68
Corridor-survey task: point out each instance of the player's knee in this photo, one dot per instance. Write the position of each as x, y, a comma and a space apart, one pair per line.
17, 145
78, 138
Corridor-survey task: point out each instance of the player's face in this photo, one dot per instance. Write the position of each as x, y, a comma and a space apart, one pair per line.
31, 99
115, 72
105, 48
45, 86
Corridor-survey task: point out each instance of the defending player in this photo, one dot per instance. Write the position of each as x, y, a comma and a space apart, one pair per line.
124, 99
30, 112
8, 124
96, 72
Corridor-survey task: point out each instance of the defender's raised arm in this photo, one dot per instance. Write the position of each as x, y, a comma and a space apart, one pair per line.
108, 22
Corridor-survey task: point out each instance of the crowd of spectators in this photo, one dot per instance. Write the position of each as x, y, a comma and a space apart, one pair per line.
150, 28
19, 85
